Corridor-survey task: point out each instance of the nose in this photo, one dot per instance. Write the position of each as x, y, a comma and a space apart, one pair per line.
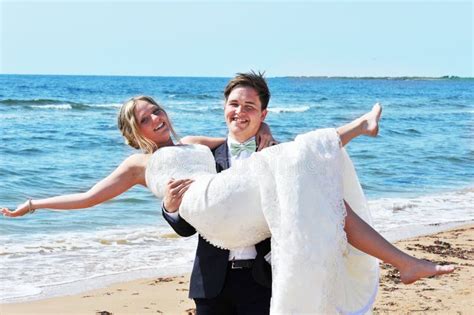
238, 109
155, 118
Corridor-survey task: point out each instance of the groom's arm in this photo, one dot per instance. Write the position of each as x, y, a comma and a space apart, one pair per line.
172, 198
179, 225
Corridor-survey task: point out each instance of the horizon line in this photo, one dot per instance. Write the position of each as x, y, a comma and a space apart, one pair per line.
451, 77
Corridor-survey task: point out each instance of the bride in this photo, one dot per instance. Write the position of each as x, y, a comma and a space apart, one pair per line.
302, 193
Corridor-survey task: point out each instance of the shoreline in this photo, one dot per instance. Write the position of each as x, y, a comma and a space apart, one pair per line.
402, 233
102, 281
168, 294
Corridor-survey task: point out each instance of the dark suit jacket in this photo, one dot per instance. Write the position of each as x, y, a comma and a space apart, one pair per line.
210, 264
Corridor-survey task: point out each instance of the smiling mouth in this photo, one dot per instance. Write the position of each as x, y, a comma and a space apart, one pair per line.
160, 126
239, 120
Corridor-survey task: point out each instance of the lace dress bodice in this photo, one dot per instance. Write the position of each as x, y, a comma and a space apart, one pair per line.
178, 162
225, 209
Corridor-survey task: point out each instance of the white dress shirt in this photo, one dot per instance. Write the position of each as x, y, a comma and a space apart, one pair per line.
243, 252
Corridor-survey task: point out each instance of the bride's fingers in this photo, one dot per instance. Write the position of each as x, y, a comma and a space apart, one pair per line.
8, 213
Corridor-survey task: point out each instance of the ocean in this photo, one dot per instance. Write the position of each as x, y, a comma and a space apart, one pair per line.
59, 135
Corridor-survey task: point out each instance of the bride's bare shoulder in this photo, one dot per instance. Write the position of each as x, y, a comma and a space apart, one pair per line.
135, 166
137, 160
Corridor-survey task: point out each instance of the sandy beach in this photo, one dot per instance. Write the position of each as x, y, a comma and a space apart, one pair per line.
449, 294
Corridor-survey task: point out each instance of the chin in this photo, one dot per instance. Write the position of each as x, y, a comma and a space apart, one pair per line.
239, 128
239, 132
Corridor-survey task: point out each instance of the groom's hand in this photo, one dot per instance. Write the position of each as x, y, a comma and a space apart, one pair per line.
264, 137
174, 193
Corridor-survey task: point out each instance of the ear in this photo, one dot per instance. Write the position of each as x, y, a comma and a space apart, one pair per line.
264, 114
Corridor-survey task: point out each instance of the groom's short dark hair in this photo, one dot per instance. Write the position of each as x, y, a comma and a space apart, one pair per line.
253, 80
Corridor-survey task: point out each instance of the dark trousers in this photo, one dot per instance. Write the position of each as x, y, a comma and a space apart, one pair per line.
241, 295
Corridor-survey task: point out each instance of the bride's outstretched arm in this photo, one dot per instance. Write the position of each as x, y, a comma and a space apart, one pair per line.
367, 124
363, 237
129, 173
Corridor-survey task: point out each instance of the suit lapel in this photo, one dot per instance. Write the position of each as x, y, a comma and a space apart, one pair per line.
221, 155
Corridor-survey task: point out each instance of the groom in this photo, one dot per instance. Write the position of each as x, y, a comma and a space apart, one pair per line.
236, 281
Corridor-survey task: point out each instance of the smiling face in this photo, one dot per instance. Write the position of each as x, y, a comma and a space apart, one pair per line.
152, 122
243, 113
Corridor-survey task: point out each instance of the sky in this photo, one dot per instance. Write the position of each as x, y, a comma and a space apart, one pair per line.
220, 38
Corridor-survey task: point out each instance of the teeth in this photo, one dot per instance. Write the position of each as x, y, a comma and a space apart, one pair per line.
159, 126
240, 120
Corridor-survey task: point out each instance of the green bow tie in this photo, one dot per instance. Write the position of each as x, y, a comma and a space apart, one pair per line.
236, 148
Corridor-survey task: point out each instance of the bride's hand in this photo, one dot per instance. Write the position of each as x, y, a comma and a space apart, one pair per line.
264, 137
20, 210
174, 193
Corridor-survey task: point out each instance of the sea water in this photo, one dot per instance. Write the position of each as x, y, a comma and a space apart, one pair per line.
59, 135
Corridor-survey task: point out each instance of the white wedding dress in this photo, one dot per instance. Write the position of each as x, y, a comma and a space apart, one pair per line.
294, 193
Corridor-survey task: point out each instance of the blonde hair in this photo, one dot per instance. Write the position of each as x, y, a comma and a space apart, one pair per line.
128, 125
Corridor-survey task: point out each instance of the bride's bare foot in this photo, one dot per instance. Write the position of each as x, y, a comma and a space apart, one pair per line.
370, 121
419, 268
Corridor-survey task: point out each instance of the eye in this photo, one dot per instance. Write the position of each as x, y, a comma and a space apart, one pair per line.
144, 120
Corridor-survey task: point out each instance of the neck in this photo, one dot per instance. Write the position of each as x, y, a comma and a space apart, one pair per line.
240, 139
168, 143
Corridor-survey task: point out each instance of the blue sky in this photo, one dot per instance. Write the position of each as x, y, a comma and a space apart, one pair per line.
220, 38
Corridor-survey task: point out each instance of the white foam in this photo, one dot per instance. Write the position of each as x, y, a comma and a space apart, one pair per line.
53, 106
441, 208
279, 110
36, 266
414, 230
111, 105
18, 291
